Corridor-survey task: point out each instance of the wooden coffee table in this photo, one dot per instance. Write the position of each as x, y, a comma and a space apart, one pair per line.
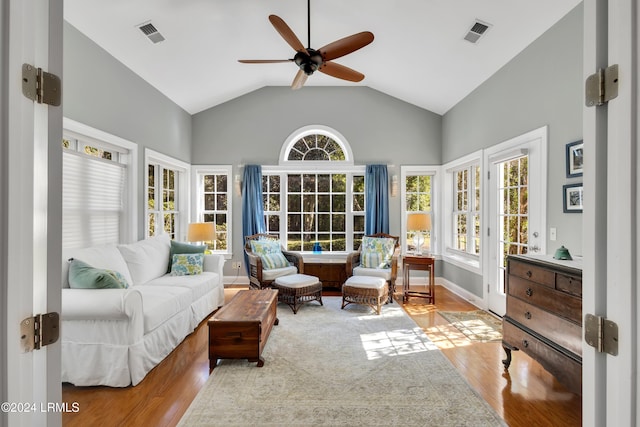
240, 329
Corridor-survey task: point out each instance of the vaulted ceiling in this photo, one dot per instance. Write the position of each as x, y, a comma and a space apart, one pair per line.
419, 54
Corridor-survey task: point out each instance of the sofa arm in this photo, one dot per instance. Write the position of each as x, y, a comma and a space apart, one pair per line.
101, 304
214, 263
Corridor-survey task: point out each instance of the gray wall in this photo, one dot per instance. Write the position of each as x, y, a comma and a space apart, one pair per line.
251, 129
101, 92
541, 86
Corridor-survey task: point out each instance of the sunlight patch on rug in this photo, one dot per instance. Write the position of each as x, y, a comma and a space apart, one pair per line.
476, 325
330, 367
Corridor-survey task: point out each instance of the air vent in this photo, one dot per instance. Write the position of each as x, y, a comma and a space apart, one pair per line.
476, 31
149, 30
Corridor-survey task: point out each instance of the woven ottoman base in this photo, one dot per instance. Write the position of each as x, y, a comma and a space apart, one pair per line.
297, 289
366, 290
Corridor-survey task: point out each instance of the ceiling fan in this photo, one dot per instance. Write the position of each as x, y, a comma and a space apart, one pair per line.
310, 60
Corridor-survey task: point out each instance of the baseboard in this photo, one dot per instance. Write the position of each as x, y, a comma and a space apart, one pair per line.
461, 292
230, 281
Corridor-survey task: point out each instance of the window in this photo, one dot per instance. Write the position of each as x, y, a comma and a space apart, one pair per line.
166, 196
466, 210
98, 183
326, 205
418, 196
213, 203
463, 211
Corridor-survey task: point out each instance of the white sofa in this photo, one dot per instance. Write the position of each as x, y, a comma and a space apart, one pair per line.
114, 337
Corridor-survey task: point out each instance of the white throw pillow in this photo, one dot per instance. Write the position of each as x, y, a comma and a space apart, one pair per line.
147, 259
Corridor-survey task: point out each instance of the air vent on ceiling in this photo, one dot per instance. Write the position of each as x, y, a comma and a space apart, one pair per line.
476, 31
149, 30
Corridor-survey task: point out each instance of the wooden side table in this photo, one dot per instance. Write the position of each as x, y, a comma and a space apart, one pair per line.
418, 262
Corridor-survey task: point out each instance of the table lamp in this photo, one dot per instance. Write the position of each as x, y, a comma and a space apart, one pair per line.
417, 223
201, 232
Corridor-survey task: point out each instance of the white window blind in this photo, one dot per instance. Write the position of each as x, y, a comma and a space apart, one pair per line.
92, 191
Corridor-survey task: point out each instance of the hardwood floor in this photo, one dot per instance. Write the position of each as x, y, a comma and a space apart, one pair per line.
525, 396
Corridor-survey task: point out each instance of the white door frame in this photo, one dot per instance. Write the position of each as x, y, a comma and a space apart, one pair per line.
533, 143
31, 212
611, 183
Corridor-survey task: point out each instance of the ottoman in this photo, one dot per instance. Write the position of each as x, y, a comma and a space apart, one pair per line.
366, 290
297, 289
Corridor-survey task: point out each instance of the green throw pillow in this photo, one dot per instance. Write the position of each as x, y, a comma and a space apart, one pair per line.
183, 248
187, 264
83, 276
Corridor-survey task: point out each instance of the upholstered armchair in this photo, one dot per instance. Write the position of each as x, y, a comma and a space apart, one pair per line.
268, 260
377, 256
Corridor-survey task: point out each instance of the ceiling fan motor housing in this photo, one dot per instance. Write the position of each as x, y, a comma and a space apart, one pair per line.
309, 61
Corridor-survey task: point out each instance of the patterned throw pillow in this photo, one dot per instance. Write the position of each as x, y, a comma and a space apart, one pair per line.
377, 252
270, 252
84, 276
186, 264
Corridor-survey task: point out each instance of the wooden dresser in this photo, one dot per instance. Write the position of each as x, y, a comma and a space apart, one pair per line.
544, 315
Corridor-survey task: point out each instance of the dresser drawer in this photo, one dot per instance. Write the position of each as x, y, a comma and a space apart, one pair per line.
565, 333
533, 273
566, 369
569, 284
560, 303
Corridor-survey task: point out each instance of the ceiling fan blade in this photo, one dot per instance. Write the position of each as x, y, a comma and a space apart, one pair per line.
346, 45
287, 34
299, 80
263, 61
340, 71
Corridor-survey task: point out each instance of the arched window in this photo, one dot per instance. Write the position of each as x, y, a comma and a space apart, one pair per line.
315, 194
316, 143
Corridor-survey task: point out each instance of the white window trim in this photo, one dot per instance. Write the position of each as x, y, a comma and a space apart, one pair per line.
129, 231
184, 196
197, 203
436, 225
467, 261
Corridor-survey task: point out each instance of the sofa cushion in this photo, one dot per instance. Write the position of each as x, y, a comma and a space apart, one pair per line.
147, 259
183, 248
84, 276
160, 303
107, 257
384, 273
199, 285
186, 264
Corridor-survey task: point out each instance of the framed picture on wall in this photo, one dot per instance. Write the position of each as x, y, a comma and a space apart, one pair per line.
572, 198
574, 159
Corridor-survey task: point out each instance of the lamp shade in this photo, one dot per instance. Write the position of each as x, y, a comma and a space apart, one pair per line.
201, 232
418, 222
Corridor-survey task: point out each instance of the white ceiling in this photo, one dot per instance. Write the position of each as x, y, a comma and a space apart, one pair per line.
418, 55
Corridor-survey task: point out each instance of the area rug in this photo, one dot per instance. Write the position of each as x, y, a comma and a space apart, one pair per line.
476, 325
330, 367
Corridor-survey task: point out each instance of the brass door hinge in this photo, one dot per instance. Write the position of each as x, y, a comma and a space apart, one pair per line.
39, 330
601, 334
602, 86
40, 86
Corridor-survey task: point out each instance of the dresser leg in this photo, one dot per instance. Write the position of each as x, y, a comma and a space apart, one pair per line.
506, 362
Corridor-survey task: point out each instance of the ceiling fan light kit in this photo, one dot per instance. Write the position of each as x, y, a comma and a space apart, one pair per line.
311, 60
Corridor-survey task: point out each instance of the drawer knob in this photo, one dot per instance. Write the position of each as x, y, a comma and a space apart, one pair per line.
527, 315
529, 274
529, 292
525, 343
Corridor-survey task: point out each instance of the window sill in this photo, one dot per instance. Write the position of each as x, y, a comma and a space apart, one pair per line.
472, 265
336, 257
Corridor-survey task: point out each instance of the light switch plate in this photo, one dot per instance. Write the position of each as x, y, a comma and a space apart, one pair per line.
552, 234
